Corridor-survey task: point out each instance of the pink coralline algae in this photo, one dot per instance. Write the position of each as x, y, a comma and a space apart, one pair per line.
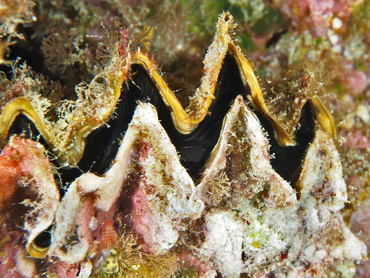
356, 81
29, 201
315, 15
123, 181
360, 220
357, 140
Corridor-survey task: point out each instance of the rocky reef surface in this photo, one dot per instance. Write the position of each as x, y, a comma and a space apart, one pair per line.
121, 157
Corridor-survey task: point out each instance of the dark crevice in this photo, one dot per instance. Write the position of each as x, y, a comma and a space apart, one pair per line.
275, 38
28, 50
24, 127
194, 148
287, 160
43, 240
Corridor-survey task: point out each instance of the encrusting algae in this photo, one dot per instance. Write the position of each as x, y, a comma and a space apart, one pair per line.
123, 181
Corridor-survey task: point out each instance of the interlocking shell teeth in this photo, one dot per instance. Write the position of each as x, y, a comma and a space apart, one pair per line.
91, 196
245, 213
96, 104
250, 143
242, 217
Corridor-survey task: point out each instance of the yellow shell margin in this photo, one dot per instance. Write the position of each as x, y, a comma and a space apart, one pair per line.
70, 150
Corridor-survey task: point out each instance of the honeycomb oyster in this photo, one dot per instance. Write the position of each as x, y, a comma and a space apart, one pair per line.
154, 190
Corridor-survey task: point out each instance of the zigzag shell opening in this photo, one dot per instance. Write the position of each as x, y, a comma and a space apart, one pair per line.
195, 147
100, 101
119, 144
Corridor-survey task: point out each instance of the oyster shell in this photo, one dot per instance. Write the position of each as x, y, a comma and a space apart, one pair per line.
28, 203
135, 207
91, 196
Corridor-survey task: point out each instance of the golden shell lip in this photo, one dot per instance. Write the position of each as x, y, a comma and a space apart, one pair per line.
184, 122
36, 251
